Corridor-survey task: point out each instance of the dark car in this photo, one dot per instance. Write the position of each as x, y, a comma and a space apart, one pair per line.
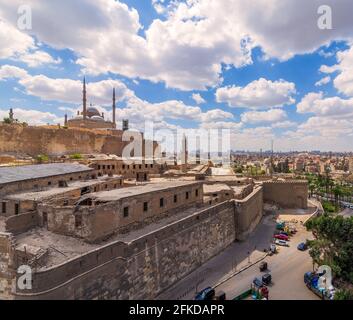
263, 266
302, 246
267, 279
206, 294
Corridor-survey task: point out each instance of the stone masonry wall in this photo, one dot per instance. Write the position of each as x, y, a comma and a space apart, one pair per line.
7, 249
144, 268
55, 141
287, 194
249, 212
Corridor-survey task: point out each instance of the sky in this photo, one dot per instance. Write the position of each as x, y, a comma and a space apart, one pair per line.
262, 69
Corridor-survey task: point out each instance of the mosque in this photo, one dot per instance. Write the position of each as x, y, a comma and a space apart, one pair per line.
91, 118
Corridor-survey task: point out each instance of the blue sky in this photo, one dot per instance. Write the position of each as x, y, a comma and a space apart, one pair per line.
198, 64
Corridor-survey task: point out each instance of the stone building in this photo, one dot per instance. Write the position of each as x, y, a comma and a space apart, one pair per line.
99, 215
90, 117
35, 177
139, 169
98, 239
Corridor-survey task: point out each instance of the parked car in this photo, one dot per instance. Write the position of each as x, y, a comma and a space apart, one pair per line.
258, 282
282, 243
267, 279
273, 248
302, 246
206, 294
263, 266
281, 237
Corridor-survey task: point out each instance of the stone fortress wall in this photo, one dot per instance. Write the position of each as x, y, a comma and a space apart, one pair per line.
143, 268
55, 141
7, 252
249, 212
287, 194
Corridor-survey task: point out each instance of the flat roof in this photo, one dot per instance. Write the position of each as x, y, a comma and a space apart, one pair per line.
210, 188
53, 191
118, 194
30, 172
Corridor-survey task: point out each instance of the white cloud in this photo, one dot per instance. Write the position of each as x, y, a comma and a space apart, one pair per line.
65, 90
37, 58
260, 93
198, 99
284, 124
323, 81
32, 117
8, 72
333, 107
273, 115
187, 48
136, 109
344, 81
329, 69
13, 41
221, 125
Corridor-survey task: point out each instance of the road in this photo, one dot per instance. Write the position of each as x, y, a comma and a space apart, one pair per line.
287, 267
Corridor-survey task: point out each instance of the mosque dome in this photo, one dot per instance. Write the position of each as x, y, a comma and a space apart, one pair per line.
79, 117
92, 111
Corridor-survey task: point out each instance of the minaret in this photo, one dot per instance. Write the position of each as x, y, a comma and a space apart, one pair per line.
184, 154
65, 121
114, 109
84, 99
11, 114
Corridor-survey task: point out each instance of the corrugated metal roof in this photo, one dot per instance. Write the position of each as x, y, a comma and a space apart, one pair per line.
21, 173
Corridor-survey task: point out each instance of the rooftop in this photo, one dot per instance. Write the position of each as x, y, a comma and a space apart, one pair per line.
21, 173
211, 188
118, 194
50, 192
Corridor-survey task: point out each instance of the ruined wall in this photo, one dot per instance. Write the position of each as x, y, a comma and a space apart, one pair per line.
7, 276
287, 194
22, 223
56, 141
143, 268
248, 213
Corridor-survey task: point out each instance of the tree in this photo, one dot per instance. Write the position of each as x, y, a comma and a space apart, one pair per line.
76, 156
7, 120
337, 191
42, 158
333, 244
344, 294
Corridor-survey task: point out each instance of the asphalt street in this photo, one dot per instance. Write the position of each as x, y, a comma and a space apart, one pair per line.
287, 267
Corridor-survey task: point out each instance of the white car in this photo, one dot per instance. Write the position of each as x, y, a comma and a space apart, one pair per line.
281, 243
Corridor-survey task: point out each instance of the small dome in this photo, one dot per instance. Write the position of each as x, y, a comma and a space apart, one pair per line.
80, 117
97, 118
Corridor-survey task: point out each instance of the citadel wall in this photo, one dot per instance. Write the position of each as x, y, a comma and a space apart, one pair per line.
143, 268
57, 141
287, 194
7, 275
249, 212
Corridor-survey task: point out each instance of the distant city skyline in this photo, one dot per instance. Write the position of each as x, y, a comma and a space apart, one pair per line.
196, 64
